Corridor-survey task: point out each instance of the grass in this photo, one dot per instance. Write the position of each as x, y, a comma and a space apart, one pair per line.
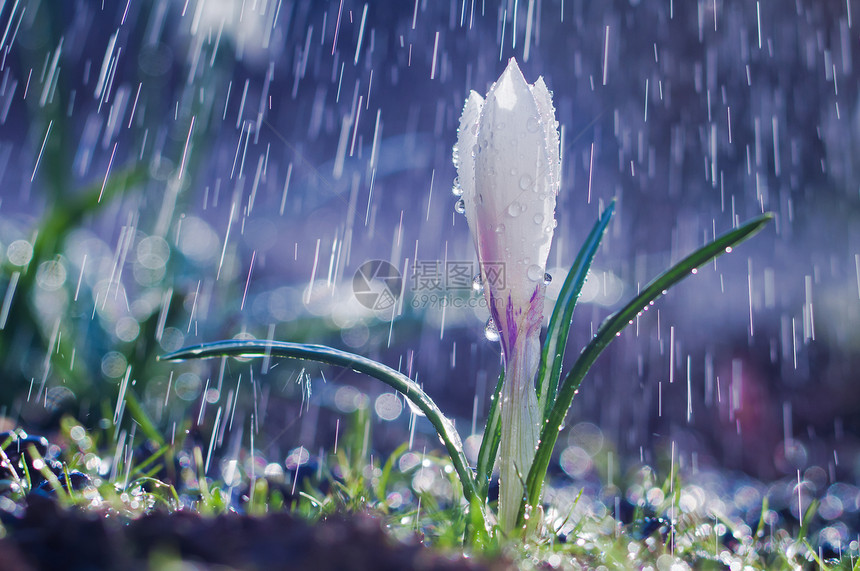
665, 522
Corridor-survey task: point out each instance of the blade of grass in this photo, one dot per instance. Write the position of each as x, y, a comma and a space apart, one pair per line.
490, 442
608, 330
382, 484
821, 565
138, 413
807, 519
552, 354
322, 354
759, 530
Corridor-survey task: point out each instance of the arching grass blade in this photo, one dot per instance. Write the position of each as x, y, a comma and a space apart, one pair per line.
322, 354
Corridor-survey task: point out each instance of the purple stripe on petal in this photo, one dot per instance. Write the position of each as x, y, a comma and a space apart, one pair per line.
511, 325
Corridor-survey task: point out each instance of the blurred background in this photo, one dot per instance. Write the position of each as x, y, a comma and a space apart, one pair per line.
176, 172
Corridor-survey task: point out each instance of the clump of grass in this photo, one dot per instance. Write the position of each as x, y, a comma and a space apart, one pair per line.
645, 520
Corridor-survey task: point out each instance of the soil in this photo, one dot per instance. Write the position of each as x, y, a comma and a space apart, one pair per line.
46, 536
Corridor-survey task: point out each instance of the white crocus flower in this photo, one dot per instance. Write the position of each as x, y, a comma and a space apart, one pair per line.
507, 159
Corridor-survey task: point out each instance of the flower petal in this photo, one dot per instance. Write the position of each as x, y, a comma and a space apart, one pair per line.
543, 99
464, 153
514, 197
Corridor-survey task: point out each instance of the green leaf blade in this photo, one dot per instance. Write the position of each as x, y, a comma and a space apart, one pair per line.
608, 330
328, 355
490, 442
552, 354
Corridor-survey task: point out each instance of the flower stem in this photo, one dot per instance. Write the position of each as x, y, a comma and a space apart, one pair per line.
520, 418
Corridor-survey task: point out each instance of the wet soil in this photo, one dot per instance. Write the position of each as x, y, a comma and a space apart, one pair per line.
46, 536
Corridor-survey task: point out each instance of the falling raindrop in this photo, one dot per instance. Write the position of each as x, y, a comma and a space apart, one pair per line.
491, 332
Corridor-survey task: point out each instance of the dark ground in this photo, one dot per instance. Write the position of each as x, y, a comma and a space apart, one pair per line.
49, 537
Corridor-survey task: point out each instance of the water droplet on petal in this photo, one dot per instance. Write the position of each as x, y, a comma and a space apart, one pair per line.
500, 228
460, 207
491, 332
535, 272
477, 284
538, 218
547, 279
457, 190
526, 182
515, 209
533, 124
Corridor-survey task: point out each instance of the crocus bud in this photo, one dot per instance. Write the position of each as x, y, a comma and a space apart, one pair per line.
508, 165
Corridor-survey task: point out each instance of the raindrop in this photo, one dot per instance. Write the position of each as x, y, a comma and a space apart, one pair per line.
457, 190
460, 207
547, 279
388, 406
491, 332
51, 275
535, 273
538, 218
533, 124
515, 209
526, 182
500, 228
477, 284
19, 252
